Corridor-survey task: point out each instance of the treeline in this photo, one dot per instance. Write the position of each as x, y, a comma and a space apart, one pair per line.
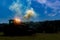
49, 26
29, 28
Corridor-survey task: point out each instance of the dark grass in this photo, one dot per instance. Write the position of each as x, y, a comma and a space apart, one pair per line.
38, 36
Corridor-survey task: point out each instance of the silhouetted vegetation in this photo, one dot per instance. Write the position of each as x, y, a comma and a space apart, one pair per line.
29, 28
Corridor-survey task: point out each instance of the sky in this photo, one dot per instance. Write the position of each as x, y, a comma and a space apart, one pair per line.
43, 9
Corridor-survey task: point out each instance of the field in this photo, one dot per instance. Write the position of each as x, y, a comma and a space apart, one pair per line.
38, 36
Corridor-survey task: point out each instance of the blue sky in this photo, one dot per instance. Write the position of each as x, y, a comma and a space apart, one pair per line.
46, 10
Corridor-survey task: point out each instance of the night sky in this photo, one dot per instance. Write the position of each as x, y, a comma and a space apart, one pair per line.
44, 9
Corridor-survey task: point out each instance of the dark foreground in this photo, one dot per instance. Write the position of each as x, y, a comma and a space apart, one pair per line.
37, 36
48, 30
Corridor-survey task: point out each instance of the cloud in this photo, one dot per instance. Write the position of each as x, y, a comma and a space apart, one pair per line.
41, 1
19, 8
30, 13
52, 14
55, 5
16, 7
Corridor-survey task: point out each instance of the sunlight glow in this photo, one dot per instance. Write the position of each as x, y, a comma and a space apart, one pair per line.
17, 20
